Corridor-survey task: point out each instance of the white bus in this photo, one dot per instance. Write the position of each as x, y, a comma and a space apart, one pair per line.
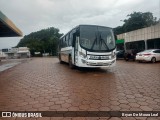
88, 46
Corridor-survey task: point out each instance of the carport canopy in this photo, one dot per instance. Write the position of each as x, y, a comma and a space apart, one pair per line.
7, 27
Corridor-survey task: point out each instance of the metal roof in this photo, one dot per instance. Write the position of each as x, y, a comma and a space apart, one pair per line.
8, 28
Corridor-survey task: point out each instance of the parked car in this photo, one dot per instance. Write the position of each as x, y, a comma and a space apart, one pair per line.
120, 54
151, 55
130, 54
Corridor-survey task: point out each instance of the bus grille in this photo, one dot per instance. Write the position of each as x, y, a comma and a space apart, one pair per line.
98, 64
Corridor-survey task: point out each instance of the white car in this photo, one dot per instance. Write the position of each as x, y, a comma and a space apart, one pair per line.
151, 55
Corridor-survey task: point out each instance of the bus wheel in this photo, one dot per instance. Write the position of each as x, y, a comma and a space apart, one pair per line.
70, 62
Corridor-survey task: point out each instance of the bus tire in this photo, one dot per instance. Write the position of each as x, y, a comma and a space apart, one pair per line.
70, 62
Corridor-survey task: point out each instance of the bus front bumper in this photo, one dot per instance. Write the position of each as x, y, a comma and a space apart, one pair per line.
98, 63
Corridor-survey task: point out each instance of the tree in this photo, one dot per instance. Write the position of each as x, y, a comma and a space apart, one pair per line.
136, 20
44, 41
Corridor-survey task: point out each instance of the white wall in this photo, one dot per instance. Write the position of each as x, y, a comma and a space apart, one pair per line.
141, 34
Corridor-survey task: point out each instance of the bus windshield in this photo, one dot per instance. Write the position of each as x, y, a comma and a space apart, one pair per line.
96, 38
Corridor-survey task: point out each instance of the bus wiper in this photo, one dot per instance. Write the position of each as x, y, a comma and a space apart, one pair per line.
102, 40
95, 41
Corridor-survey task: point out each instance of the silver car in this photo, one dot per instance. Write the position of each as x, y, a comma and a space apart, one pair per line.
151, 55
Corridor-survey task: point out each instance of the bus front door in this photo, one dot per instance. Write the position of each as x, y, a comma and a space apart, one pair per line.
76, 51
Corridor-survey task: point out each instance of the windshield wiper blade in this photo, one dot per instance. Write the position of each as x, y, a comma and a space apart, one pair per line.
104, 42
95, 41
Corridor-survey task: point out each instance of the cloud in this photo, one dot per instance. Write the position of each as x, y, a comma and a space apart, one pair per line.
34, 15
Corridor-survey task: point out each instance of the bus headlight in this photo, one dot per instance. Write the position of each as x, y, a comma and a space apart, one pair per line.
82, 55
113, 61
113, 55
83, 61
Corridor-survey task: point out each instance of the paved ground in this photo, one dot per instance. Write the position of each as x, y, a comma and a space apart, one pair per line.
42, 84
9, 63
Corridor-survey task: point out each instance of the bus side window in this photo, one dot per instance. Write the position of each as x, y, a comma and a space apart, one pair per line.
70, 39
61, 43
66, 41
74, 39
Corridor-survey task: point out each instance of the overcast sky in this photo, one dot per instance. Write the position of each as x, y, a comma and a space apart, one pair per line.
34, 15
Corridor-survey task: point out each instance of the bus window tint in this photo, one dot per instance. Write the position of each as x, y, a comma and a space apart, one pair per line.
107, 37
97, 38
87, 36
66, 40
70, 38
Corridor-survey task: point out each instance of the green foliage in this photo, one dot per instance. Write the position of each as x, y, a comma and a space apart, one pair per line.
136, 20
44, 41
